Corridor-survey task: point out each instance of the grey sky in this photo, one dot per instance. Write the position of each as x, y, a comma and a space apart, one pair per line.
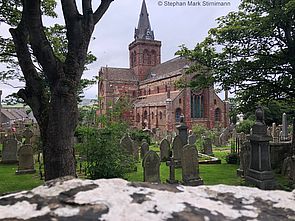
172, 25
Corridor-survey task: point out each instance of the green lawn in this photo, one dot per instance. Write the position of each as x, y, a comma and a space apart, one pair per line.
9, 182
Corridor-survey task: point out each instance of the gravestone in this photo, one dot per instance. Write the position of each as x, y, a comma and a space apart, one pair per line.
182, 130
135, 150
26, 160
172, 164
144, 148
260, 172
190, 166
9, 151
244, 158
126, 145
192, 138
207, 146
284, 135
177, 146
164, 150
151, 167
27, 134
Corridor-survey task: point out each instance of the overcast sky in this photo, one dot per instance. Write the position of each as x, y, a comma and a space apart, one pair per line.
172, 25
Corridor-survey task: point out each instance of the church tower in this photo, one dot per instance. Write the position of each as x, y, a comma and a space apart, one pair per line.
144, 51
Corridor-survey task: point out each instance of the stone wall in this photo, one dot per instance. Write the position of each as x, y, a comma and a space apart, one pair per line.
117, 199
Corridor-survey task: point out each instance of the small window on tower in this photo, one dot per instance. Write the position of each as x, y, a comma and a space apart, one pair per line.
158, 90
180, 101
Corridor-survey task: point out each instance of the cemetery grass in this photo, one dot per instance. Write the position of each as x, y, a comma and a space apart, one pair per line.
9, 182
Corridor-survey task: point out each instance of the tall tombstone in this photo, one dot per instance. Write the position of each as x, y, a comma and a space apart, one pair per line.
151, 167
9, 151
182, 130
136, 148
27, 134
284, 136
190, 166
244, 158
177, 146
26, 160
260, 172
144, 148
126, 145
207, 146
164, 150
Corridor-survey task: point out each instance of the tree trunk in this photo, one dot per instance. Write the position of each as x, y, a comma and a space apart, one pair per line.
58, 146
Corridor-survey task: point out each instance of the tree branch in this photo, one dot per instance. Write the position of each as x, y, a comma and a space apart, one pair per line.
70, 10
87, 7
39, 42
103, 7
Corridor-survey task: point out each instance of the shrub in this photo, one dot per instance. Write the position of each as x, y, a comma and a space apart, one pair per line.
245, 126
139, 135
104, 157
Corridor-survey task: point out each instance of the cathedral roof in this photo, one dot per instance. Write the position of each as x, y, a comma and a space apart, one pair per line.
167, 69
144, 30
155, 99
119, 74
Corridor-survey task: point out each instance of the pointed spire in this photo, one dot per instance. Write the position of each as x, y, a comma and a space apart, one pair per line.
143, 30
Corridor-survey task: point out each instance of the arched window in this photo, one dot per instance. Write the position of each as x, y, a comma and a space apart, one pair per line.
153, 115
149, 91
145, 115
149, 59
177, 114
158, 90
145, 56
137, 117
166, 88
161, 115
217, 115
197, 106
134, 58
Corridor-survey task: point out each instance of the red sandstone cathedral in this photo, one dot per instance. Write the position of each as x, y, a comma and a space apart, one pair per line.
157, 103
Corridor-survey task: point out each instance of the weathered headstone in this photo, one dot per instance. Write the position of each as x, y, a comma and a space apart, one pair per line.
192, 138
169, 138
182, 130
284, 136
260, 172
151, 167
177, 147
164, 150
207, 146
26, 160
144, 148
244, 158
9, 151
27, 134
172, 164
126, 145
135, 149
190, 166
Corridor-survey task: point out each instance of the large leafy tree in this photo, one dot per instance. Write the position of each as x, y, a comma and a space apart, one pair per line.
252, 52
52, 80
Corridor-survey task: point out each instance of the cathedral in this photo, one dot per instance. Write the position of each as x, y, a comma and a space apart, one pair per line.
156, 102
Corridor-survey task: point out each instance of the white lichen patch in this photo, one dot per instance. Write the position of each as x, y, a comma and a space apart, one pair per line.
66, 211
55, 190
22, 210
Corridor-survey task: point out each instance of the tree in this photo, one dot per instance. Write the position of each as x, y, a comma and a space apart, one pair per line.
52, 92
252, 51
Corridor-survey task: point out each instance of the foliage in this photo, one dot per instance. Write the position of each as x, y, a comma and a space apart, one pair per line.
252, 52
245, 126
101, 147
201, 131
139, 135
232, 158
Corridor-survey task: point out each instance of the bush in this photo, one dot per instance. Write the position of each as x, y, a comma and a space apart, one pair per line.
139, 135
232, 158
245, 126
104, 157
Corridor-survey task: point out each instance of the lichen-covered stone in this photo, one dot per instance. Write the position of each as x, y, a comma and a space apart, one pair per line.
117, 199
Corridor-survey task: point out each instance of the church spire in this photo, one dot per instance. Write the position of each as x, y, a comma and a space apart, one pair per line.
143, 30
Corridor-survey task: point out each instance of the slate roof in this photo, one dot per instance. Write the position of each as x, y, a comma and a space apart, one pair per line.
167, 69
155, 99
144, 30
119, 74
14, 114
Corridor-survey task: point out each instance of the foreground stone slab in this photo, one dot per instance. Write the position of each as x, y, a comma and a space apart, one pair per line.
117, 199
